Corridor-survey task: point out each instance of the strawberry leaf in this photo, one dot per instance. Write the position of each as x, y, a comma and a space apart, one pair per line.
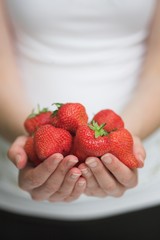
37, 111
58, 105
98, 129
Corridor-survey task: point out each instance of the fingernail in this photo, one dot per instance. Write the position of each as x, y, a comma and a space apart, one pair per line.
55, 159
91, 162
106, 159
81, 183
141, 160
84, 171
75, 175
71, 162
18, 159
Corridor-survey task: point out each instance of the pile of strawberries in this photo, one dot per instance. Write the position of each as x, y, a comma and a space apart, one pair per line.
67, 130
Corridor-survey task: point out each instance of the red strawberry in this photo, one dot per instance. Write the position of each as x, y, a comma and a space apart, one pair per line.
69, 116
110, 118
93, 140
121, 145
36, 119
49, 140
30, 151
90, 140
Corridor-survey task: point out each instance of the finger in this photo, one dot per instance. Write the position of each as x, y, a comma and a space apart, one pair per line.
32, 177
54, 181
104, 178
125, 176
77, 191
90, 178
67, 186
139, 151
16, 152
92, 186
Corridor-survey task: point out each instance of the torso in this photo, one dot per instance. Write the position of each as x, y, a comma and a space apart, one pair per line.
80, 50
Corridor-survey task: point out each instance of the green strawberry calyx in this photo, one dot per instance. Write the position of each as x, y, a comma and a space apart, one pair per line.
58, 105
99, 130
37, 111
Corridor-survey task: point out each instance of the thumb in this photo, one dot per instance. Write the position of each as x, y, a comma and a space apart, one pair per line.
139, 151
16, 152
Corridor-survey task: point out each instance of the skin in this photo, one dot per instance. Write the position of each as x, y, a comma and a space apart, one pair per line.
61, 180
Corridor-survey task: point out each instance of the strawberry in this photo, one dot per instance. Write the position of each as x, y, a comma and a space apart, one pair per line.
49, 140
121, 145
110, 118
30, 151
36, 119
94, 140
69, 116
90, 140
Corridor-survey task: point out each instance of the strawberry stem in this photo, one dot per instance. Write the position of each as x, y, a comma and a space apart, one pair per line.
98, 129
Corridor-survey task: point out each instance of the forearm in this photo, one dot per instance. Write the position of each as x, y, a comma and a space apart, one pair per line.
13, 109
142, 115
13, 105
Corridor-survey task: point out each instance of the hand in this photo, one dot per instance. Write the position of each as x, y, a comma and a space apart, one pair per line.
109, 176
55, 179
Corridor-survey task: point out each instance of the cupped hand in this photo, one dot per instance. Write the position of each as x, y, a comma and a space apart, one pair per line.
55, 179
108, 176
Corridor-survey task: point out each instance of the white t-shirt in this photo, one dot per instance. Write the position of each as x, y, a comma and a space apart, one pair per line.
86, 51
